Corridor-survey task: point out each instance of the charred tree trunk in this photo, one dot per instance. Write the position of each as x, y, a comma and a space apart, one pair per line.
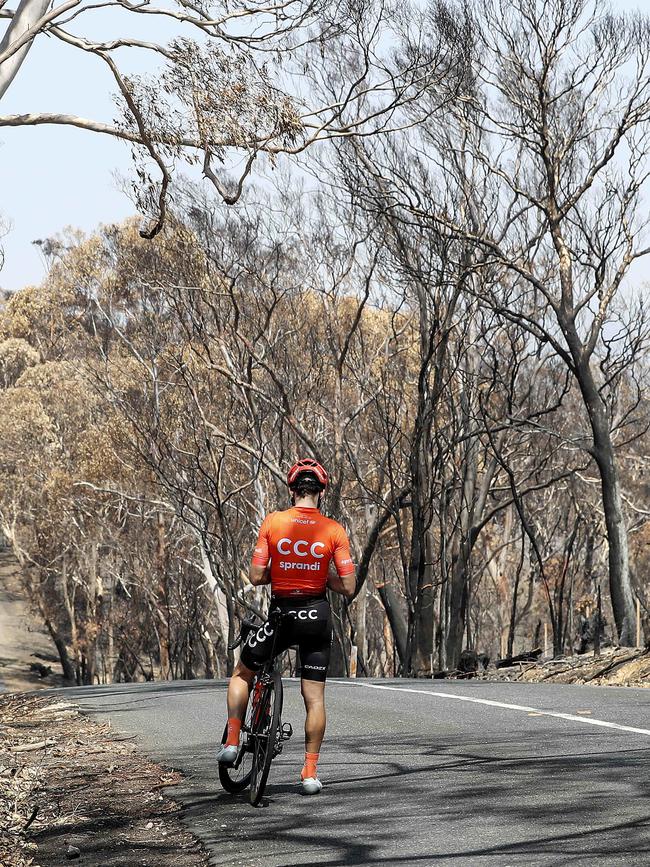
62, 649
513, 609
620, 585
339, 660
457, 608
420, 584
396, 618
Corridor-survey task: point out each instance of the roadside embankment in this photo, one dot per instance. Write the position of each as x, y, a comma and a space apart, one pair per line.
622, 666
72, 789
27, 658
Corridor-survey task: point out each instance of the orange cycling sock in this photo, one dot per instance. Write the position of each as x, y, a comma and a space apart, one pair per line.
309, 770
234, 727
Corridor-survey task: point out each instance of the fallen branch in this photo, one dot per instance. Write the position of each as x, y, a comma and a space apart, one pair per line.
31, 819
28, 748
613, 665
529, 656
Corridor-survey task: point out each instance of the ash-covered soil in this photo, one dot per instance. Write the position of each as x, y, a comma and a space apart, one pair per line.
72, 791
27, 658
623, 666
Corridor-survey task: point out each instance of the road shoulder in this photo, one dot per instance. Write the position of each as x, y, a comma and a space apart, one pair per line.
27, 658
70, 788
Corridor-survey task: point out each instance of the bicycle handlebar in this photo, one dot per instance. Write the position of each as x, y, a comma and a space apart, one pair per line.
247, 625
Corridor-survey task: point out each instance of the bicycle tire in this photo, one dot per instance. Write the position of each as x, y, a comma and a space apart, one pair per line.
235, 778
264, 736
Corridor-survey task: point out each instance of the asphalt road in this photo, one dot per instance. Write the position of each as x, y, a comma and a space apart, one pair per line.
415, 773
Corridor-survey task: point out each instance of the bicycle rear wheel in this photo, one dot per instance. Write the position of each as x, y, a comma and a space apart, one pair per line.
264, 735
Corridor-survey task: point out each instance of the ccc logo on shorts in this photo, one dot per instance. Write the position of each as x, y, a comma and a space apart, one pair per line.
303, 614
263, 632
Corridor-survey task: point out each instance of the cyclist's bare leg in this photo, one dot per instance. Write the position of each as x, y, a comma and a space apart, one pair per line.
238, 690
313, 693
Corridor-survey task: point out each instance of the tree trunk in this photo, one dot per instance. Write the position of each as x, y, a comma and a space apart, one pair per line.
620, 585
61, 648
396, 618
423, 618
163, 629
26, 15
69, 605
513, 608
361, 606
225, 609
339, 659
420, 599
458, 598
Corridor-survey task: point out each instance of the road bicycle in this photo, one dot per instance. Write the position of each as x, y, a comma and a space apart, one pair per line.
263, 734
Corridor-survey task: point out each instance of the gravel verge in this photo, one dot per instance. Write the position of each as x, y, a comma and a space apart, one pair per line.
72, 790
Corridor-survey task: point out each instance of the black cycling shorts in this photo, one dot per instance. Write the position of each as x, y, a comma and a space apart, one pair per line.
307, 624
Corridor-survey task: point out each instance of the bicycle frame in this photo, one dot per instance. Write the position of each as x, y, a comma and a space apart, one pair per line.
262, 738
269, 665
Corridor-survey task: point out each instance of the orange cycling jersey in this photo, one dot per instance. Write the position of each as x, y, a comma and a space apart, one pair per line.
301, 543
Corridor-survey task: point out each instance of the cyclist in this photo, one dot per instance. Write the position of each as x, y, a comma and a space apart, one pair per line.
293, 554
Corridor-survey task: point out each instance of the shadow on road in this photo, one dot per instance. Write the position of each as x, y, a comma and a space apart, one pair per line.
462, 790
425, 807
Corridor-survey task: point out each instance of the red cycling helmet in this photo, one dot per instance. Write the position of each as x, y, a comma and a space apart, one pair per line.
308, 465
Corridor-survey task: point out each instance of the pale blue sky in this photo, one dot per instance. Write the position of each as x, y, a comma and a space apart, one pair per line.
51, 177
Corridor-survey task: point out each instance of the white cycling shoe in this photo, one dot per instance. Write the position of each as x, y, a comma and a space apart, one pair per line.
227, 755
311, 786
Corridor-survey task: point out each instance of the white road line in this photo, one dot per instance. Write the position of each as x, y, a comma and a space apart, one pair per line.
568, 716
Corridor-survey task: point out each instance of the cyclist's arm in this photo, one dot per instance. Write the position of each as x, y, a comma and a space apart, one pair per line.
344, 582
343, 585
260, 569
259, 575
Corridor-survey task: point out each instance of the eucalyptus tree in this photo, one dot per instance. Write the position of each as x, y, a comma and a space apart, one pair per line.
226, 89
301, 343
564, 104
4, 230
546, 150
